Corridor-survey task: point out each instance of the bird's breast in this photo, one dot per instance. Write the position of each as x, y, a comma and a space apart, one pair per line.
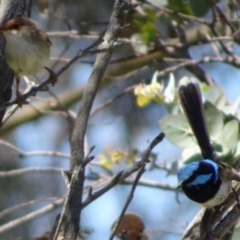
220, 196
208, 194
23, 57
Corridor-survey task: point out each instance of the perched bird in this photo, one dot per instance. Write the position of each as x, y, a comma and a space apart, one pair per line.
208, 181
27, 48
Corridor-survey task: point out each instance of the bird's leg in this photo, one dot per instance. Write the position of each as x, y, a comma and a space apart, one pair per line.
20, 99
52, 76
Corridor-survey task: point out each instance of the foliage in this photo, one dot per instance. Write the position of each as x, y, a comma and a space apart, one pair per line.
222, 123
163, 43
111, 158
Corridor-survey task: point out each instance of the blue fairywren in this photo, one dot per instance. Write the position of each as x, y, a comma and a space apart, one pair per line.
208, 181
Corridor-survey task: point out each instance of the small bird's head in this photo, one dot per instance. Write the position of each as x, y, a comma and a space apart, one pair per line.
14, 24
17, 25
200, 181
25, 28
196, 173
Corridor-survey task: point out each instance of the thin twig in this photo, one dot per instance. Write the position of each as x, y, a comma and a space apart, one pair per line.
20, 206
129, 199
124, 174
150, 184
21, 220
19, 172
228, 60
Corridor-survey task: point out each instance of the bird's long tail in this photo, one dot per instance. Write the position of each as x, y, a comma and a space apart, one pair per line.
191, 101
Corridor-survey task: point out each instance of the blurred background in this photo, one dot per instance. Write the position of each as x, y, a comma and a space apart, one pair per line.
121, 124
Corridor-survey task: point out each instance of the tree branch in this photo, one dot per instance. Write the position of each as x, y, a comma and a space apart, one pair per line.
70, 216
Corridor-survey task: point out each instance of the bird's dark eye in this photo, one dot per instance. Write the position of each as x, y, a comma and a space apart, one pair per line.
15, 26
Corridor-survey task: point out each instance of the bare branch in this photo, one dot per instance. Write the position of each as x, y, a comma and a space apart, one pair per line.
129, 199
19, 172
73, 205
19, 221
121, 176
20, 206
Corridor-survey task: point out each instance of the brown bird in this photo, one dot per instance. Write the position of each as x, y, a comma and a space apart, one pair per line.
27, 49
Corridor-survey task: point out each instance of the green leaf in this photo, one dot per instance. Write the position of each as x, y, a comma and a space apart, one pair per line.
181, 6
223, 129
151, 15
214, 120
190, 7
237, 152
145, 25
200, 8
178, 131
232, 109
229, 137
216, 96
148, 32
192, 154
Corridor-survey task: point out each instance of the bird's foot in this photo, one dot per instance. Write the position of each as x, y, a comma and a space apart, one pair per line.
20, 99
52, 76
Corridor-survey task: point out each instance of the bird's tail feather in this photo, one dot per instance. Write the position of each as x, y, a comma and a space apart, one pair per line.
191, 101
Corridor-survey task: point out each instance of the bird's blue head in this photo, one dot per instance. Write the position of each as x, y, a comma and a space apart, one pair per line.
199, 180
198, 172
